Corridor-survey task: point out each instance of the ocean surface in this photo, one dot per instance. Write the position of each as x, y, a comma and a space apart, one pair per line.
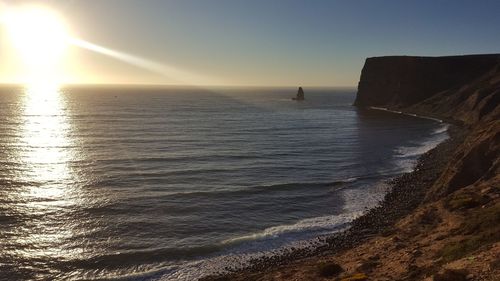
172, 183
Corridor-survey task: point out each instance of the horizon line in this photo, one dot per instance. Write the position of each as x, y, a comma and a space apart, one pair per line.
186, 85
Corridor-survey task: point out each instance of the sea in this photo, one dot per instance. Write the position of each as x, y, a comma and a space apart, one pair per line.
177, 182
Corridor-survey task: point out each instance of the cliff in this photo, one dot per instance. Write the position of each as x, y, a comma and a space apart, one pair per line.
461, 89
403, 80
462, 206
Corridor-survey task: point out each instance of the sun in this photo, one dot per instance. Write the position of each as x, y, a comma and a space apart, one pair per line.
38, 36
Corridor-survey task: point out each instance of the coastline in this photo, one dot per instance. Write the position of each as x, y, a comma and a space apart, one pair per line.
408, 114
439, 222
407, 191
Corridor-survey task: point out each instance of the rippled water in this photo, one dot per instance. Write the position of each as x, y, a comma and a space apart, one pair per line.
168, 183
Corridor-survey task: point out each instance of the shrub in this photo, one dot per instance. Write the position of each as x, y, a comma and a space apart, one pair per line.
451, 275
464, 200
329, 269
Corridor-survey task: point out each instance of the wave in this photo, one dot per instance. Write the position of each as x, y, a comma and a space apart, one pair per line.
407, 156
440, 130
324, 223
130, 258
438, 135
243, 250
413, 151
251, 189
217, 255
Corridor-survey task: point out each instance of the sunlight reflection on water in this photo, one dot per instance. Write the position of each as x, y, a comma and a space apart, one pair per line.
47, 147
46, 151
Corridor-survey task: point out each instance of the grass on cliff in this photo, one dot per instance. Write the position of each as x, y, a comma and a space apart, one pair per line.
464, 200
481, 228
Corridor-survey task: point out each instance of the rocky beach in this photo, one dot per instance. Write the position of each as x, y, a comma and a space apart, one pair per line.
442, 220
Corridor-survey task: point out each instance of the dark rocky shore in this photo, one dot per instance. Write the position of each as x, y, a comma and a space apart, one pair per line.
440, 222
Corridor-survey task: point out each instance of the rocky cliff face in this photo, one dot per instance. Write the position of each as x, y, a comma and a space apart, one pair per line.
464, 89
403, 80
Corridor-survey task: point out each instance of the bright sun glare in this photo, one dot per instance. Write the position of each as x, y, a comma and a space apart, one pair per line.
40, 39
38, 36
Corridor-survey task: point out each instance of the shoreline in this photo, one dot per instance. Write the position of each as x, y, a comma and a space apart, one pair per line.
407, 191
408, 114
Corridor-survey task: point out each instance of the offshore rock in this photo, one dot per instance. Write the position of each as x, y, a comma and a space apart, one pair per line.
300, 94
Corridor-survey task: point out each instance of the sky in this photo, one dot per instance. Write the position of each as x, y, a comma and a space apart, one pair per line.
257, 42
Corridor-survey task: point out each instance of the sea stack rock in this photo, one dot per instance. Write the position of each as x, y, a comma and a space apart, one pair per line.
300, 94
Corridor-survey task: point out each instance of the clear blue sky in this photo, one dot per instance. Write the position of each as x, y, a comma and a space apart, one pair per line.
275, 42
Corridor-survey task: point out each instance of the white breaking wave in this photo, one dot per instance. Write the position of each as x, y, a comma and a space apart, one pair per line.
317, 223
441, 129
357, 202
351, 180
197, 269
407, 156
417, 150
